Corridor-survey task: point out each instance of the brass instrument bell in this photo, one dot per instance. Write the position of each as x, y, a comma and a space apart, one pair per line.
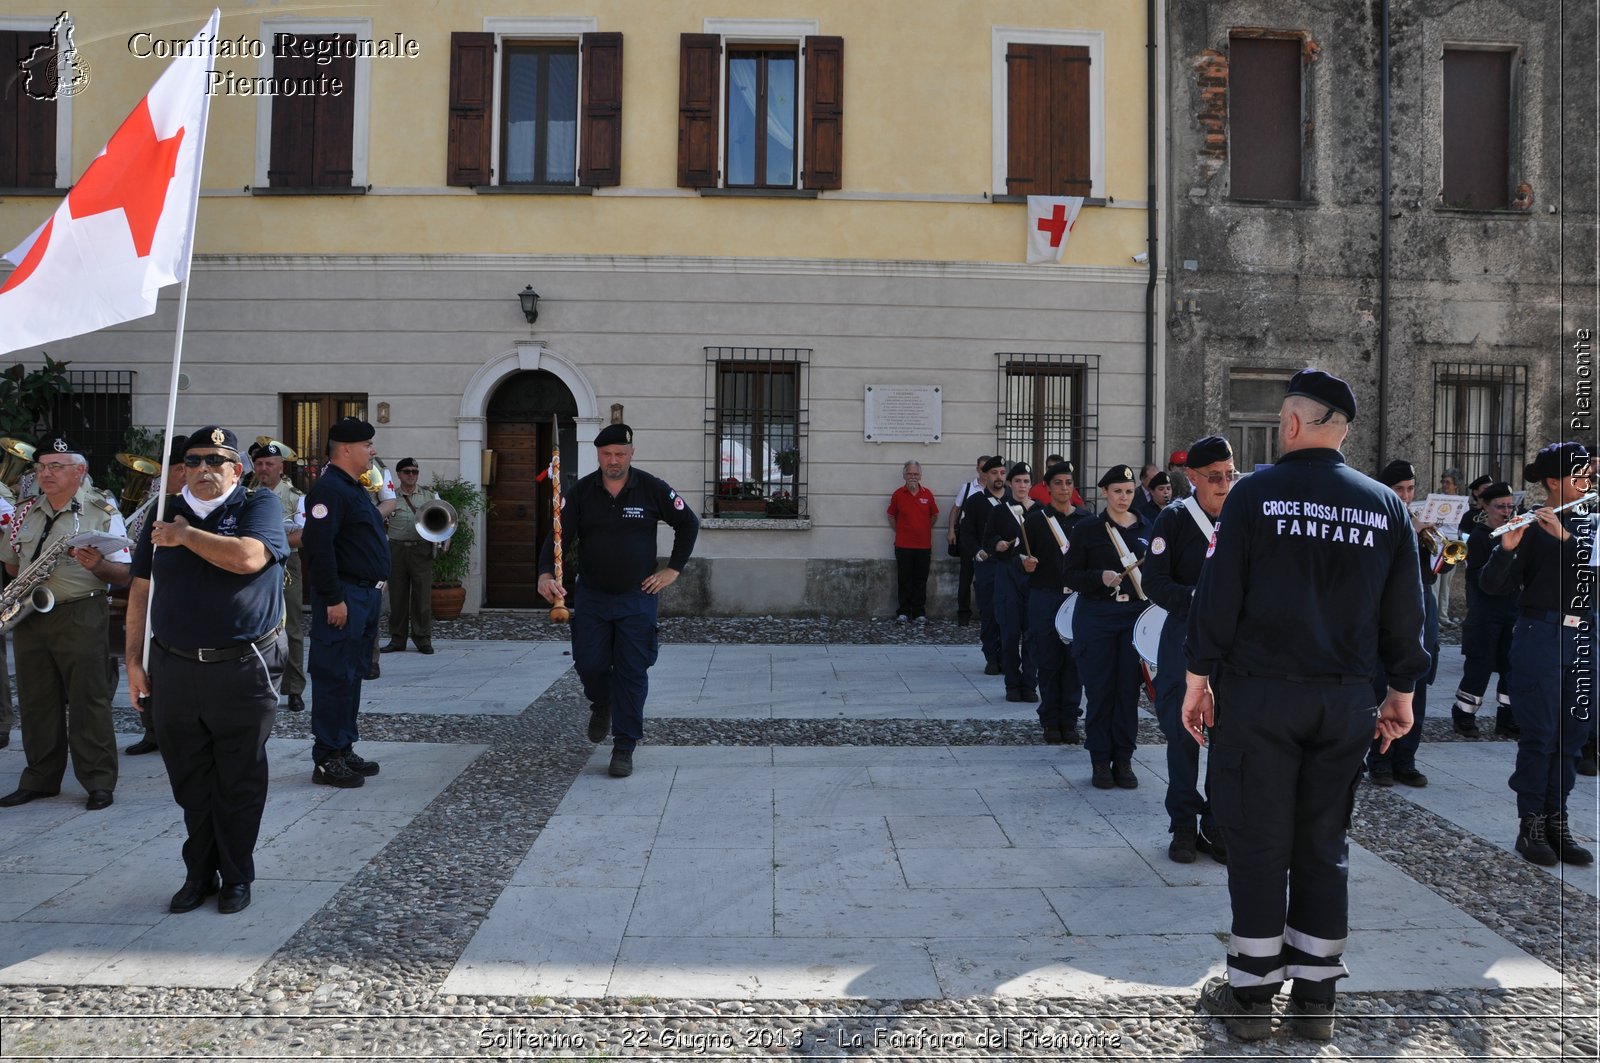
1454, 551
18, 456
141, 470
285, 451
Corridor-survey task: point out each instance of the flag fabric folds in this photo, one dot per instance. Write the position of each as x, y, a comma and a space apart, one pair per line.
126, 229
1050, 221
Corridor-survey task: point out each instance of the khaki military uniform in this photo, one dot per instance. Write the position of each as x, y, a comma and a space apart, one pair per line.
410, 573
63, 686
294, 589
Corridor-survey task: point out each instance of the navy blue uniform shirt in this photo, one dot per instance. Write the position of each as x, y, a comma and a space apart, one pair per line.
616, 537
975, 521
1555, 576
1177, 550
1003, 526
196, 605
1050, 574
343, 538
1314, 577
1501, 606
1093, 552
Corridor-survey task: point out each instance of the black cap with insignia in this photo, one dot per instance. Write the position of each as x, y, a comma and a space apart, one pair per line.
1397, 471
1117, 474
1554, 462
1207, 451
996, 462
1019, 469
56, 443
351, 430
1060, 468
614, 435
1493, 491
212, 436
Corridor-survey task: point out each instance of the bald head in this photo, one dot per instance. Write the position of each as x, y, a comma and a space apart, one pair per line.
1304, 423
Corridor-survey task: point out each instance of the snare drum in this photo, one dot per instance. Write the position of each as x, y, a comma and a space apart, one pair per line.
1064, 618
1147, 634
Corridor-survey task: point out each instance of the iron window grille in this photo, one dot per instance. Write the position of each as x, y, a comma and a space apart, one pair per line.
757, 420
96, 415
1480, 419
1049, 404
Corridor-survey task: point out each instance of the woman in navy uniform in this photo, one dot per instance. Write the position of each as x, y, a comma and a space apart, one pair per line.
1179, 545
1101, 566
974, 522
1049, 527
1552, 649
1004, 540
1486, 633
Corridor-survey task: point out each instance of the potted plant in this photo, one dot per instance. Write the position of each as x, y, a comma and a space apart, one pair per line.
744, 499
451, 563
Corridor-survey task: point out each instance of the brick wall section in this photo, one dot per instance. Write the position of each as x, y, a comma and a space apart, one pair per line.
1211, 75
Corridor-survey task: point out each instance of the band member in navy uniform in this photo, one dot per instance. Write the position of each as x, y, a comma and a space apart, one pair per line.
215, 592
1313, 577
1102, 566
1179, 545
345, 558
610, 517
1491, 618
1005, 541
975, 513
1552, 649
1049, 528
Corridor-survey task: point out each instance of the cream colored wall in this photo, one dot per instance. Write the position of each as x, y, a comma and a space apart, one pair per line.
918, 122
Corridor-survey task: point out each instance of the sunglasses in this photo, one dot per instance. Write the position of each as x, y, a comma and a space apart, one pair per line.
408, 472
1216, 479
194, 461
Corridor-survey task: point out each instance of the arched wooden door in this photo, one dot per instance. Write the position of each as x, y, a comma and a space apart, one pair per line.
519, 432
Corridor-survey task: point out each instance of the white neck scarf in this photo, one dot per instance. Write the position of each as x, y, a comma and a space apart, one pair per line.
201, 508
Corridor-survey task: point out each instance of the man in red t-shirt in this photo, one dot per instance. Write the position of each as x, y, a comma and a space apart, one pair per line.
912, 511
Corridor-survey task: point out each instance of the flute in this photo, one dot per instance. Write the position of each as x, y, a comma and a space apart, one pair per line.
1528, 518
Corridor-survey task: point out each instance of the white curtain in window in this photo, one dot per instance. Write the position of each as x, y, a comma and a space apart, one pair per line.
561, 150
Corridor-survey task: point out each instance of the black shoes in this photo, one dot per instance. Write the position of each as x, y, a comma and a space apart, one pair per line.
1247, 1022
147, 744
193, 894
1465, 723
98, 799
1014, 694
1533, 846
1030, 695
1506, 727
1310, 1019
394, 646
297, 703
1102, 777
423, 646
1565, 845
1052, 736
1209, 840
1070, 735
621, 763
1380, 777
991, 669
360, 765
1122, 774
1182, 849
376, 673
21, 796
1410, 777
599, 723
334, 772
235, 897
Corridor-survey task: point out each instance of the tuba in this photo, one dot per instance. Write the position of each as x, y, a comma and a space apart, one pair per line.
17, 457
436, 521
141, 472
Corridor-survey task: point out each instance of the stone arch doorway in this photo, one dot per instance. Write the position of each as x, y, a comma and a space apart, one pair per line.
518, 430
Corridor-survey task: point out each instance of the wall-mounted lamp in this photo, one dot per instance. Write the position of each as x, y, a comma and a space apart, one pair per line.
383, 413
530, 303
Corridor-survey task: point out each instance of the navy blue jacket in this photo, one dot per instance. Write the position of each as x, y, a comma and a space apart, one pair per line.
1092, 552
1177, 552
343, 538
616, 537
1555, 576
1051, 572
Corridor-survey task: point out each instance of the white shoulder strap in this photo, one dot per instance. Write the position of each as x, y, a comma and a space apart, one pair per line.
1055, 529
1201, 521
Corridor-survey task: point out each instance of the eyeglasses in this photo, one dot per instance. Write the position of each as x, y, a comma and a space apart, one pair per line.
1217, 479
408, 472
53, 466
193, 461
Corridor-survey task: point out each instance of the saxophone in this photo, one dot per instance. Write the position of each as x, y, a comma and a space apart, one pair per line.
27, 594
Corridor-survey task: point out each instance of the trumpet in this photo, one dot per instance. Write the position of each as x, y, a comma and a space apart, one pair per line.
1529, 518
436, 521
1454, 551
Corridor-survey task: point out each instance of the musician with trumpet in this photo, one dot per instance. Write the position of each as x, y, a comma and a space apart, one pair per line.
1550, 554
62, 617
416, 534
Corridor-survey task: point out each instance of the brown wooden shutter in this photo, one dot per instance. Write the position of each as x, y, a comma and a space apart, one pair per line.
1477, 129
27, 125
333, 159
1027, 120
294, 122
471, 96
1070, 173
601, 107
699, 110
824, 163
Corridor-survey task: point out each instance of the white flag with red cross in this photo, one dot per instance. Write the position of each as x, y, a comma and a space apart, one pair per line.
1050, 220
126, 229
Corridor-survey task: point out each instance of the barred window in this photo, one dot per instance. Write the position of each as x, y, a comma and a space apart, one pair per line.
1480, 418
1254, 398
756, 422
96, 415
1047, 406
306, 420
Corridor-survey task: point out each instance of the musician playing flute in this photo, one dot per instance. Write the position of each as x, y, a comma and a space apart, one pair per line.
1007, 540
63, 687
1552, 558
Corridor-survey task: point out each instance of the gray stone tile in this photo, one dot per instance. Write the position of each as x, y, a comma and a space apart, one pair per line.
1462, 958
979, 777
85, 843
947, 832
584, 850
1149, 838
876, 801
733, 830
905, 914
845, 866
60, 953
133, 889
999, 868
1075, 966
643, 793
1384, 898
704, 893
547, 941
21, 891
760, 968
861, 755
1143, 910
329, 844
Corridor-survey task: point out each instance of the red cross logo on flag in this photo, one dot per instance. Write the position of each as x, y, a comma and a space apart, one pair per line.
1050, 221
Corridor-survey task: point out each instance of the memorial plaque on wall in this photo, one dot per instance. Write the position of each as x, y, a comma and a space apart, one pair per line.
903, 413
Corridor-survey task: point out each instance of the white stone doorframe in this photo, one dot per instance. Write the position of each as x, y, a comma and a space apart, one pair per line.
472, 427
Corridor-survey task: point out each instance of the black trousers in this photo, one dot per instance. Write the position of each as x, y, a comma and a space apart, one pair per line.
212, 721
1285, 760
964, 589
913, 568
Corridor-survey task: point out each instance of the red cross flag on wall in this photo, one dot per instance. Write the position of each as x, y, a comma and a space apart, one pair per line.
125, 230
1050, 220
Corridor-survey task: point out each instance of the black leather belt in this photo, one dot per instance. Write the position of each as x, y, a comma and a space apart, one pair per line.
225, 653
375, 584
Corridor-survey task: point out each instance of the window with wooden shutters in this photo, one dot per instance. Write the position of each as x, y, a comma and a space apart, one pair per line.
471, 99
1477, 128
1265, 118
1047, 120
313, 134
699, 87
601, 139
824, 140
27, 125
539, 114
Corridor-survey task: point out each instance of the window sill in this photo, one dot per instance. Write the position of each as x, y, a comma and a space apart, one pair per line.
7, 192
761, 193
1273, 204
534, 190
1092, 201
757, 523
1483, 212
349, 190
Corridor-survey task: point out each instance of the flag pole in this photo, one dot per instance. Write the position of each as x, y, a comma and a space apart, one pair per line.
183, 315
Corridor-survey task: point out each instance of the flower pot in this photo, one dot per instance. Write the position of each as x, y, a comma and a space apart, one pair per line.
744, 507
448, 600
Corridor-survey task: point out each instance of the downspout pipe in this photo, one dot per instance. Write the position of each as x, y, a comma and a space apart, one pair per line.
1383, 236
1151, 235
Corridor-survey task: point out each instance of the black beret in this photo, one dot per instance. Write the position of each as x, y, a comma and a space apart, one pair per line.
1117, 474
1019, 469
1208, 451
265, 450
614, 435
1060, 468
351, 430
1396, 472
1325, 388
1479, 482
405, 463
996, 462
175, 452
212, 436
1554, 462
1160, 479
1494, 491
56, 443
